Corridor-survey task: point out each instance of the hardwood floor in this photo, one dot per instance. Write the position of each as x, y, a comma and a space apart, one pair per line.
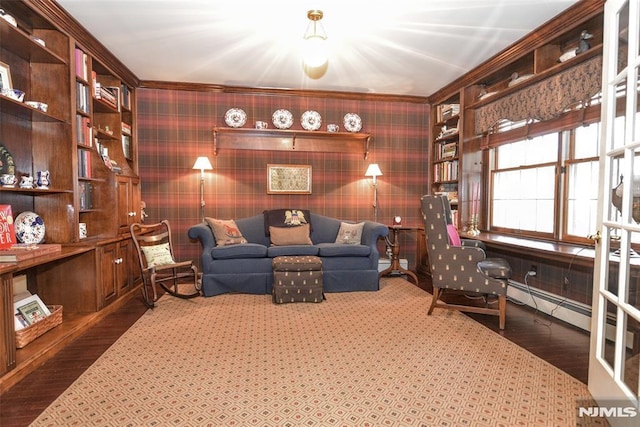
562, 345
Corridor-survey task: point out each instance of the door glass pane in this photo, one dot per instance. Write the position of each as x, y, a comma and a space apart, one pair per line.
635, 191
636, 118
633, 295
610, 336
632, 355
616, 179
619, 122
614, 267
623, 37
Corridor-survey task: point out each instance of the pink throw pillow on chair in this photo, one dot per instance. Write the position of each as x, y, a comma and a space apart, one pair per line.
454, 237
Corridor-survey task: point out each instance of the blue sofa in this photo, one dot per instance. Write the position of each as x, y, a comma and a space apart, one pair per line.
246, 267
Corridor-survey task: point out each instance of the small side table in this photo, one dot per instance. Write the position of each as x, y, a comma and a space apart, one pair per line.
395, 269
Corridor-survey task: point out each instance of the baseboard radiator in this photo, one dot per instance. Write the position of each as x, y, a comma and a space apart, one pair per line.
572, 312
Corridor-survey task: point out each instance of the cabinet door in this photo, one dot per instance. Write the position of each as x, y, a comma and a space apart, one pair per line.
128, 202
108, 265
124, 278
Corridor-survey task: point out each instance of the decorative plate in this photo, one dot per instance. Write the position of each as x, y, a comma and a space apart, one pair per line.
311, 120
29, 227
352, 122
235, 117
282, 119
7, 165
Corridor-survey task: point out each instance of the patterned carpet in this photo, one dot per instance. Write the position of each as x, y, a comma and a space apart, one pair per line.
356, 359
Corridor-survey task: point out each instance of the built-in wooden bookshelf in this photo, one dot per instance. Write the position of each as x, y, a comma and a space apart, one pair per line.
445, 150
80, 140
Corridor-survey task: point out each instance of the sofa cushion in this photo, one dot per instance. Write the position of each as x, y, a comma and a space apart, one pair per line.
298, 235
245, 250
341, 250
292, 250
226, 232
350, 234
285, 218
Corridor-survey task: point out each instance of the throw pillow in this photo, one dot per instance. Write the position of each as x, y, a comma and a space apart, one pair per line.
350, 234
454, 237
226, 232
290, 235
157, 254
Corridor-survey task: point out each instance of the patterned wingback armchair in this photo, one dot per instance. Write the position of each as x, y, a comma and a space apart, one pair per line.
461, 268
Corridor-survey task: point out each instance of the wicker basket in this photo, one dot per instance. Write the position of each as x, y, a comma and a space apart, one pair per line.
30, 333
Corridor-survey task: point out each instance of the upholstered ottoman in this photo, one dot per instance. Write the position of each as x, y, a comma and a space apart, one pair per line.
297, 279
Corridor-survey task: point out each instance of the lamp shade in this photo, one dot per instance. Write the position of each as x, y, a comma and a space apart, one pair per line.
315, 48
373, 170
316, 52
202, 163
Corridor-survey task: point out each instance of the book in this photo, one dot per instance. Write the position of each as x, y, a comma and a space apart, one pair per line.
7, 231
24, 251
32, 310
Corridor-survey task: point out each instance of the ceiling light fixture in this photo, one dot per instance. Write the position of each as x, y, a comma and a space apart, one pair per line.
315, 50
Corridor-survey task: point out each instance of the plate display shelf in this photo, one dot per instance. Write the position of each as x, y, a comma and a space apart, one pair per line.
287, 140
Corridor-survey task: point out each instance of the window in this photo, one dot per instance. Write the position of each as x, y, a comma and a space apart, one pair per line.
582, 182
524, 186
547, 186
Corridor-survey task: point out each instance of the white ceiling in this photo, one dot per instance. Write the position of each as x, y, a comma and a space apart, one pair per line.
401, 47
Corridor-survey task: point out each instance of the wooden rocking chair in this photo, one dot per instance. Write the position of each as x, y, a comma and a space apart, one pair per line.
155, 253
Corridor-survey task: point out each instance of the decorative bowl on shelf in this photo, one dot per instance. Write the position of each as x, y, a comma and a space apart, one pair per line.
15, 94
10, 19
41, 106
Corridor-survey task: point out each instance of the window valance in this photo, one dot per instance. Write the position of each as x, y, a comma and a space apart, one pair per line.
546, 99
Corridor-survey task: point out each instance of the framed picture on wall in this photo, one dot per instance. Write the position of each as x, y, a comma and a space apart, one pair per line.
288, 179
5, 77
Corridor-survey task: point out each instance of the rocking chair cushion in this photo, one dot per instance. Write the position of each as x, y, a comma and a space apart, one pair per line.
157, 255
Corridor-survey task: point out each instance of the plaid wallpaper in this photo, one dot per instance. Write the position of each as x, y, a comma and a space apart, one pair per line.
175, 127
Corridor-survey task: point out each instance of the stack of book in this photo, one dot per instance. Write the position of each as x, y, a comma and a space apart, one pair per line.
126, 140
24, 251
84, 131
86, 195
81, 64
125, 97
84, 163
82, 98
447, 111
110, 95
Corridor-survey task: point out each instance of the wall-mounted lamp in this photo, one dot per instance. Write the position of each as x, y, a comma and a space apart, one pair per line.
374, 171
203, 164
315, 49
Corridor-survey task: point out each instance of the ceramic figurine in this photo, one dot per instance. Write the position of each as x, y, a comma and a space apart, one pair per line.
8, 180
43, 180
26, 182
